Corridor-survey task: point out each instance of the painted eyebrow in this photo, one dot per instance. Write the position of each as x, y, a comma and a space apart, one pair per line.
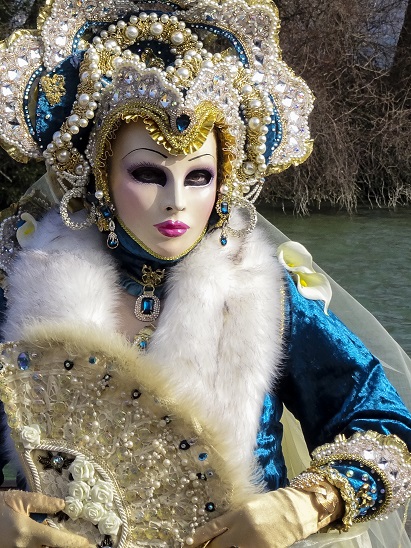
201, 155
149, 149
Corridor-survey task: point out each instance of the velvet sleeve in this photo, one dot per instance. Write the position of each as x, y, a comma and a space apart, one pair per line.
334, 386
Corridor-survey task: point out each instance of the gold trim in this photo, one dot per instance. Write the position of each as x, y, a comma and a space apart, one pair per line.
153, 253
330, 459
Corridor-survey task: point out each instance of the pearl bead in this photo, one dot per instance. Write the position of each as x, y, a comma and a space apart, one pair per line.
83, 100
133, 19
249, 168
189, 541
63, 156
183, 72
110, 44
177, 38
131, 32
255, 103
83, 122
73, 119
99, 194
254, 123
89, 114
260, 148
156, 29
66, 137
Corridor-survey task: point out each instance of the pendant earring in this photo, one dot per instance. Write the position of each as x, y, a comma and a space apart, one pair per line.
112, 238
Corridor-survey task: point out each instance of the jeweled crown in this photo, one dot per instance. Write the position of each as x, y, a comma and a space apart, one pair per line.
184, 67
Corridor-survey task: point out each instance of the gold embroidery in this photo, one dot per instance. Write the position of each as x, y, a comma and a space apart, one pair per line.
54, 88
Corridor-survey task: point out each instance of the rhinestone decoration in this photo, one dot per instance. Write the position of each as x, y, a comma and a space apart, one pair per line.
387, 457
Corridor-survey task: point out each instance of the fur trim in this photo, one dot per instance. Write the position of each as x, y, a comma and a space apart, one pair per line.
63, 277
218, 337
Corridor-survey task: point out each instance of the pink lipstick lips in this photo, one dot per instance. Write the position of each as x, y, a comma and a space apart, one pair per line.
172, 229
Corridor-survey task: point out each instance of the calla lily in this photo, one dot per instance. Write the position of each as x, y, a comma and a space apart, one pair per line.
310, 284
25, 232
295, 258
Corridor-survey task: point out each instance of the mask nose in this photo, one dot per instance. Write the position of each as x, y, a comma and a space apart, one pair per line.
176, 196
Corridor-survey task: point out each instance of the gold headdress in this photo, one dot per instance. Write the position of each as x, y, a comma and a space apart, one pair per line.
183, 67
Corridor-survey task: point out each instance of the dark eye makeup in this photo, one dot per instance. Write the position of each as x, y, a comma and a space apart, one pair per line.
152, 174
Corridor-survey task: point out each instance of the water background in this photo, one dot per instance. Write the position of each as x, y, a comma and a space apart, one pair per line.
368, 254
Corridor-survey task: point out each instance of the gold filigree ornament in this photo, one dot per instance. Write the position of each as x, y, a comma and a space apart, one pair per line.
54, 87
211, 66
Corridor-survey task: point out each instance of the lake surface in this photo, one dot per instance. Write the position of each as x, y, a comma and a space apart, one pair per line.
369, 254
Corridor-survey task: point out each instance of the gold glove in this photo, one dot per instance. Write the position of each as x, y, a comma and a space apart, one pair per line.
272, 520
18, 530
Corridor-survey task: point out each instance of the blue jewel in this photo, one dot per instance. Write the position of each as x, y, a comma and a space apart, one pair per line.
210, 507
223, 240
92, 360
23, 361
147, 305
57, 462
143, 345
182, 122
202, 456
105, 211
112, 241
224, 208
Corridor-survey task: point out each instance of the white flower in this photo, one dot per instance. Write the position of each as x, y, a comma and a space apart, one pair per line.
94, 512
109, 525
73, 507
81, 469
102, 492
25, 232
30, 436
311, 284
79, 490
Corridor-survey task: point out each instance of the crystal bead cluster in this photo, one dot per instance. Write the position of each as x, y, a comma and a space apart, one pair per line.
122, 460
184, 68
384, 457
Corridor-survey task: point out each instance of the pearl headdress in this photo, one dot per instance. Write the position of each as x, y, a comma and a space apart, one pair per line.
183, 67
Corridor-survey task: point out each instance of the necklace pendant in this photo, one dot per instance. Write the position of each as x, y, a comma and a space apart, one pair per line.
147, 307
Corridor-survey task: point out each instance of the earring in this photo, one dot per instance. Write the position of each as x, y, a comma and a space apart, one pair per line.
112, 238
225, 213
76, 192
104, 213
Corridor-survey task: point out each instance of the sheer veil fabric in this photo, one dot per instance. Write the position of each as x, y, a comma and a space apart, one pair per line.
391, 532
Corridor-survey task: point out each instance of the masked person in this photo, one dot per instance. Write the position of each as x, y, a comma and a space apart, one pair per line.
156, 331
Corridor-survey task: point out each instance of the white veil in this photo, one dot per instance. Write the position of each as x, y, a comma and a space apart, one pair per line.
389, 533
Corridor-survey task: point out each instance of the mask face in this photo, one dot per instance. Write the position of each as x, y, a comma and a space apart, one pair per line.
164, 200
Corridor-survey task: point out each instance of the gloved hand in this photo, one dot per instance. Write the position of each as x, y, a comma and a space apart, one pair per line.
18, 530
270, 520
